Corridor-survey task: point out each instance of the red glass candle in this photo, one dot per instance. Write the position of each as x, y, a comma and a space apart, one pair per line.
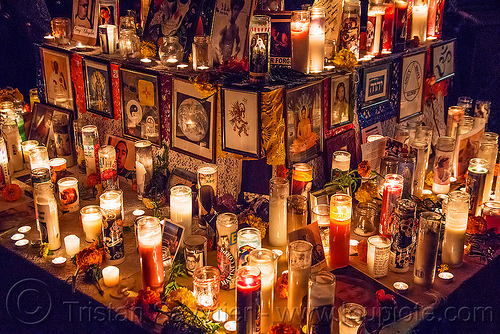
149, 238
248, 284
340, 229
388, 27
300, 40
400, 23
393, 187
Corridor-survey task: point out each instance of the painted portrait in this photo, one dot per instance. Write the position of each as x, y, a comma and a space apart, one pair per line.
56, 70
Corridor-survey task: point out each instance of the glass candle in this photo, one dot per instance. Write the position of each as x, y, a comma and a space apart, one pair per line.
340, 229
378, 256
4, 164
62, 137
80, 154
264, 259
91, 217
300, 40
181, 207
68, 194
149, 236
491, 213
320, 300
406, 168
61, 30
350, 26
365, 219
316, 40
248, 300
388, 27
202, 53
488, 150
171, 51
455, 114
466, 125
388, 165
227, 248
40, 175
108, 35
90, 141
259, 40
341, 160
424, 268
129, 44
321, 214
206, 287
434, 20
71, 244
296, 212
111, 276
47, 217
26, 146
107, 167
401, 133
372, 138
466, 103
279, 190
445, 148
351, 318
207, 192
419, 20
475, 183
302, 176
403, 235
393, 187
112, 226
195, 253
422, 153
13, 141
455, 227
400, 22
248, 240
299, 268
376, 12
143, 165
33, 97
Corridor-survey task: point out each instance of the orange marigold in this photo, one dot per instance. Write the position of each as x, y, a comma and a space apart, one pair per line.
11, 192
89, 256
93, 180
364, 169
283, 329
362, 250
476, 225
282, 286
144, 300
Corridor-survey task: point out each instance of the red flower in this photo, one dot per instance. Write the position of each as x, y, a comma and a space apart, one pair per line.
11, 192
93, 180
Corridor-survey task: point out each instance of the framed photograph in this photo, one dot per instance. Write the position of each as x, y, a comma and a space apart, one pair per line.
230, 29
193, 121
57, 77
98, 88
85, 21
108, 12
281, 38
304, 118
52, 127
125, 155
340, 100
141, 115
240, 122
172, 237
376, 84
412, 86
443, 60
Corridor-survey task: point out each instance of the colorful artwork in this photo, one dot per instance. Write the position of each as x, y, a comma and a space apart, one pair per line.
57, 76
98, 88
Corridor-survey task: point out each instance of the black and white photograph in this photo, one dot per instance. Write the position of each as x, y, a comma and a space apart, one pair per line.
98, 88
85, 20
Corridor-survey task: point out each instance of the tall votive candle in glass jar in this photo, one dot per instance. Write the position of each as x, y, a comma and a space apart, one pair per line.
376, 12
227, 248
207, 192
321, 214
422, 158
488, 150
26, 146
400, 25
320, 300
108, 168
435, 19
264, 259
248, 300
466, 103
68, 194
341, 160
181, 207
393, 187
61, 30
47, 217
475, 183
195, 253
351, 318
403, 235
143, 165
491, 213
149, 236
111, 202
10, 132
419, 20
300, 40
340, 229
424, 268
317, 40
4, 164
299, 269
388, 165
78, 124
108, 36
388, 27
296, 212
443, 159
379, 248
206, 288
248, 239
58, 170
455, 115
90, 140
302, 176
454, 232
91, 216
39, 157
406, 168
279, 189
365, 219
350, 26
259, 40
202, 53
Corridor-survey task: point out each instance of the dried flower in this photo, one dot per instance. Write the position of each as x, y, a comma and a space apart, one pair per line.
258, 223
283, 329
203, 86
180, 295
429, 178
93, 180
363, 250
147, 300
45, 250
367, 192
89, 256
364, 169
11, 192
148, 49
282, 286
345, 59
476, 225
282, 171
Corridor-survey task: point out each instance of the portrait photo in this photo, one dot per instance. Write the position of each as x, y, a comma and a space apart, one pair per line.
339, 111
140, 118
281, 39
304, 107
85, 21
108, 12
57, 76
98, 88
193, 121
125, 155
240, 122
230, 27
172, 237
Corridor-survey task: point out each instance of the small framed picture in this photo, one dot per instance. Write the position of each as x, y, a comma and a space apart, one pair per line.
125, 155
376, 84
141, 115
173, 235
412, 86
85, 21
343, 142
240, 122
193, 121
304, 118
340, 102
443, 60
108, 12
98, 88
57, 77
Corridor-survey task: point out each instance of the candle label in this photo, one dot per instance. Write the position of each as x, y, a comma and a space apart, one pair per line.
207, 194
301, 187
320, 319
226, 262
42, 215
243, 253
69, 199
248, 310
194, 259
112, 226
109, 175
406, 171
402, 240
259, 52
474, 186
349, 32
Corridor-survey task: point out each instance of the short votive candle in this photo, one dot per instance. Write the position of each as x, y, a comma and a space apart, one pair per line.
26, 147
72, 244
92, 222
111, 276
39, 157
206, 287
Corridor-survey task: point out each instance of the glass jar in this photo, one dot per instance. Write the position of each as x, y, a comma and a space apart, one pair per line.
90, 140
11, 134
321, 214
340, 230
108, 35
445, 148
171, 51
299, 268
302, 176
111, 203
422, 158
316, 40
403, 235
377, 256
61, 30
330, 52
279, 190
143, 165
265, 259
40, 175
419, 20
457, 211
351, 318
202, 53
77, 132
393, 188
296, 212
320, 300
34, 98
455, 115
341, 160
365, 219
401, 133
259, 40
39, 157
62, 136
475, 183
181, 207
26, 146
129, 43
300, 40
107, 166
149, 236
488, 150
400, 25
466, 103
248, 239
68, 194
388, 27
350, 26
206, 288
227, 248
248, 299
466, 125
207, 193
4, 164
482, 110
195, 253
406, 168
91, 217
376, 12
388, 165
491, 213
47, 214
426, 253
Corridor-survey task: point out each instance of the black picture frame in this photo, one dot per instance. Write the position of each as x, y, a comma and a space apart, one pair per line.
94, 71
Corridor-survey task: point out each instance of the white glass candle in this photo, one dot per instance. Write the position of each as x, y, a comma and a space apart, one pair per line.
10, 132
378, 256
143, 165
90, 139
47, 215
419, 22
181, 207
264, 259
341, 160
111, 203
39, 157
26, 146
456, 225
299, 268
111, 276
317, 40
92, 222
321, 297
107, 167
4, 163
278, 193
68, 194
72, 244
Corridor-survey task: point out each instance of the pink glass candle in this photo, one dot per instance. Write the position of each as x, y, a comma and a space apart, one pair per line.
393, 188
388, 27
248, 283
300, 40
149, 238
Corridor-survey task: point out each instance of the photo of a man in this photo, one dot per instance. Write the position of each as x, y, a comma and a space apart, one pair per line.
83, 17
121, 157
125, 155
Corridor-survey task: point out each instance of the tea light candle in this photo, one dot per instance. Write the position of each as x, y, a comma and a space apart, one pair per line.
17, 236
181, 207
182, 66
220, 316
111, 276
59, 261
230, 327
145, 60
68, 194
372, 138
72, 244
91, 221
446, 276
22, 242
80, 46
400, 287
24, 229
49, 38
26, 147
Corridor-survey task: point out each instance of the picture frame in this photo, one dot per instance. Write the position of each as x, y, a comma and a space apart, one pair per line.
108, 12
172, 237
222, 27
198, 138
240, 120
85, 20
98, 95
281, 38
341, 104
443, 60
304, 122
125, 155
140, 105
412, 86
376, 84
57, 78
345, 141
52, 127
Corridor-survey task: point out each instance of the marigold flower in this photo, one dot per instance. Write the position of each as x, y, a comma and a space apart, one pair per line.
364, 168
283, 329
367, 192
11, 192
181, 295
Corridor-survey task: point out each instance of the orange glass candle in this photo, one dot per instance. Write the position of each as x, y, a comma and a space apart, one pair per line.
340, 229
